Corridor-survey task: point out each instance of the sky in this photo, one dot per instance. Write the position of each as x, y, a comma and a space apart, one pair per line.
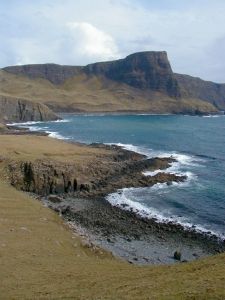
81, 32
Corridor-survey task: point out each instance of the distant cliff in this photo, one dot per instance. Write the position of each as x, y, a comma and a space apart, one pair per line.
144, 70
21, 110
205, 90
56, 74
141, 82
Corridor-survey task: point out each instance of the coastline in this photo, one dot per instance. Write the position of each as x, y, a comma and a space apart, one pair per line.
158, 241
133, 238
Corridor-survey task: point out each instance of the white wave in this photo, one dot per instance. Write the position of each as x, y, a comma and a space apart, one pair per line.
60, 121
37, 122
213, 116
183, 158
35, 128
171, 170
141, 150
24, 123
120, 200
52, 134
188, 160
183, 161
152, 173
56, 135
148, 114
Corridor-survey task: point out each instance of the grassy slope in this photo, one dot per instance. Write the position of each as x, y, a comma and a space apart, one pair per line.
40, 257
42, 147
94, 94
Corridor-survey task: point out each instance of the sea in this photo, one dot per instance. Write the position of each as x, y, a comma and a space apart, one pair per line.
198, 145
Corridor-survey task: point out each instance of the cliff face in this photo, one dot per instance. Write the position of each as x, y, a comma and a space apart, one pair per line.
56, 74
21, 110
144, 70
193, 87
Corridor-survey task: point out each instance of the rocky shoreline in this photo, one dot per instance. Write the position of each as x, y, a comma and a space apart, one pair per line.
130, 236
77, 193
119, 169
123, 232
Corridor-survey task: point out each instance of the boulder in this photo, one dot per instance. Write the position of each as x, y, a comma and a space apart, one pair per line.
177, 255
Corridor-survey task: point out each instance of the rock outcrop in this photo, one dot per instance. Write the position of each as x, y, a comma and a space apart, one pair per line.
43, 178
122, 170
22, 110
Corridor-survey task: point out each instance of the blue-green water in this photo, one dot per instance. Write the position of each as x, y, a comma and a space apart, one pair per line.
198, 143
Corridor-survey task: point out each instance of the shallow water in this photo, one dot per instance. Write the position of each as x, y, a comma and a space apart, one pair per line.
198, 143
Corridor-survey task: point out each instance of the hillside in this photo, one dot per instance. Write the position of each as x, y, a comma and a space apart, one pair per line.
205, 90
142, 82
41, 258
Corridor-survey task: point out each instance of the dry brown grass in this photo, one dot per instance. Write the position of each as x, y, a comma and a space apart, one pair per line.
40, 257
30, 148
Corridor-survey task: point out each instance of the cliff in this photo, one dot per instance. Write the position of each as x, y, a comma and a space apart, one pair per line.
56, 74
21, 110
206, 90
141, 82
144, 70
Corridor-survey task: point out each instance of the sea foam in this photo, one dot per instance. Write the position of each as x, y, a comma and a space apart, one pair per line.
182, 166
122, 200
183, 161
52, 134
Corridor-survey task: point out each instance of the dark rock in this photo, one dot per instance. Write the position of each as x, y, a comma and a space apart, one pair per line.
85, 187
64, 209
169, 183
177, 255
55, 199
